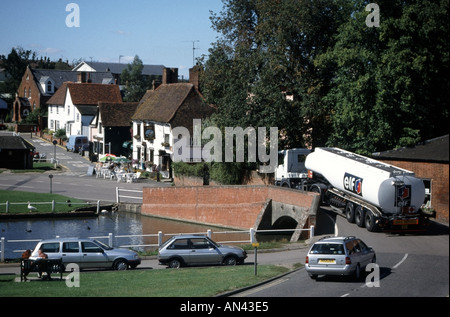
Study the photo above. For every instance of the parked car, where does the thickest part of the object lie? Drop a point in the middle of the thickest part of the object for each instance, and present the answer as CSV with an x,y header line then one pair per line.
x,y
184,250
338,256
87,253
77,143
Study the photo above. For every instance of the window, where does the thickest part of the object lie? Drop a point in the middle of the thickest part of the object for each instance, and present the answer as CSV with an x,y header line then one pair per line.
x,y
328,248
78,117
68,109
29,93
50,247
90,247
49,86
71,247
201,243
25,92
179,244
52,124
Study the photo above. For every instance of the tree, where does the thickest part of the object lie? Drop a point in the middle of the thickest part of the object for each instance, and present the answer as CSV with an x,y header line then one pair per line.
x,y
15,65
390,87
267,51
135,83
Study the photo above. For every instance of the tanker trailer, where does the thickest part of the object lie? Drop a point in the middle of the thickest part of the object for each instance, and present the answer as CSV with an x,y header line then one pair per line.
x,y
371,193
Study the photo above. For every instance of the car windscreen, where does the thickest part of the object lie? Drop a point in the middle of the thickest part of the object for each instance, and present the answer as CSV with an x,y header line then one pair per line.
x,y
327,248
104,246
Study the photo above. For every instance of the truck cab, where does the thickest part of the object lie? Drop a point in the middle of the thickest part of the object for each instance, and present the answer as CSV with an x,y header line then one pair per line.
x,y
291,170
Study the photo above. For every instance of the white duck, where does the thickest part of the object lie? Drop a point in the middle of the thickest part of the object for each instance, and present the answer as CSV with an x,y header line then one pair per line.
x,y
31,208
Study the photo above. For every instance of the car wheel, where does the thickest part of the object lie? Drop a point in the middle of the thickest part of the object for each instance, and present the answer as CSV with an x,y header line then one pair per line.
x,y
174,264
121,265
230,260
350,212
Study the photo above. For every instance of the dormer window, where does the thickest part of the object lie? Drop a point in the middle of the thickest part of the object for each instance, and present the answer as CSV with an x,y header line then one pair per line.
x,y
49,86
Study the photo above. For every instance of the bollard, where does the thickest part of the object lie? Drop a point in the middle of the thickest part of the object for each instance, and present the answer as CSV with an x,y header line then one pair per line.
x,y
98,206
209,233
311,235
7,206
53,206
252,235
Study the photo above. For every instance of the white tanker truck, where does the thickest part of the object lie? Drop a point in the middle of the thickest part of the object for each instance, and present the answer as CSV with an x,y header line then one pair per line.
x,y
371,193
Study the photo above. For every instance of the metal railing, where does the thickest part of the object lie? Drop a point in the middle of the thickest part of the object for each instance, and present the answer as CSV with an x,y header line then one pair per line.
x,y
119,195
52,203
160,238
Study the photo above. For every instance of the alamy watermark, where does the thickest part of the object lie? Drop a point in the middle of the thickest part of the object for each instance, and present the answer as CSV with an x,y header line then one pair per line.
x,y
186,149
73,278
373,18
73,18
373,278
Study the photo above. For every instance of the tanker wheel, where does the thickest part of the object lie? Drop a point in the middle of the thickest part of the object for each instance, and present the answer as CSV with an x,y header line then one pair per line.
x,y
350,212
359,216
370,221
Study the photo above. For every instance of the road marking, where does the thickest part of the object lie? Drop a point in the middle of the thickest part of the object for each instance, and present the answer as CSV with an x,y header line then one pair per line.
x,y
401,261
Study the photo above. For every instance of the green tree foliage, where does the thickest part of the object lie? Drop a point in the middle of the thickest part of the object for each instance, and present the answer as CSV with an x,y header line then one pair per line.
x,y
135,83
361,88
391,85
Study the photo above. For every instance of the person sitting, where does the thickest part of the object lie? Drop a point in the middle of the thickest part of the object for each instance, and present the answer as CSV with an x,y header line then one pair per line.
x,y
25,256
43,265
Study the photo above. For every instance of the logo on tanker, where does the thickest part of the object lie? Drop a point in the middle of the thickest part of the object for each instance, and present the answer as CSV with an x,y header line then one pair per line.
x,y
353,183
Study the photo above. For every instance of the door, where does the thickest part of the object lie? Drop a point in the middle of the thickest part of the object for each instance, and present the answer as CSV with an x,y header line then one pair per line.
x,y
203,252
71,252
92,256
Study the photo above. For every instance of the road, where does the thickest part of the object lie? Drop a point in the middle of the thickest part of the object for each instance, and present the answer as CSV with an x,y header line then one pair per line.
x,y
73,181
410,266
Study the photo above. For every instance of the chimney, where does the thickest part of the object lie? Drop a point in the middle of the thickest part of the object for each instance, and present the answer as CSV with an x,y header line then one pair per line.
x,y
170,75
194,76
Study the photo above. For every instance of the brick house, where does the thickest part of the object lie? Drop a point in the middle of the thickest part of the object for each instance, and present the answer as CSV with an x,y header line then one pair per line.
x,y
74,105
168,106
430,162
39,85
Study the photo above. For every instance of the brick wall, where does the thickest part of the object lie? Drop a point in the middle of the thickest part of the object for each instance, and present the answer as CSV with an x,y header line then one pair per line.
x,y
439,175
230,206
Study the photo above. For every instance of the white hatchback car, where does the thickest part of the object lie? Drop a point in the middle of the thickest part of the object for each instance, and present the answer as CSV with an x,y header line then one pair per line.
x,y
338,256
87,253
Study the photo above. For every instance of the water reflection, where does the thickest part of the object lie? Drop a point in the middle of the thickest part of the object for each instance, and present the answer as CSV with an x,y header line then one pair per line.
x,y
116,223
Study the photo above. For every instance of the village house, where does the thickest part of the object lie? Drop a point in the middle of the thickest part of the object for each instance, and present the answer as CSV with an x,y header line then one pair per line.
x,y
39,85
160,110
74,105
111,128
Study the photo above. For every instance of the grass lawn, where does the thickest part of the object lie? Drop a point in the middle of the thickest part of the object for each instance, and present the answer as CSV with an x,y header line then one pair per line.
x,y
13,197
185,282
38,167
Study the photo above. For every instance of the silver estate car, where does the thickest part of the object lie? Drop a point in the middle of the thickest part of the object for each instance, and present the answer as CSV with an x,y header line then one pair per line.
x,y
184,250
87,253
338,256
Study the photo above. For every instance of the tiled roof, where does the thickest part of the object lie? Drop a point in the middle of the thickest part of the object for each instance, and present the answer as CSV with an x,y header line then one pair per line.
x,y
434,150
9,142
86,94
161,105
117,114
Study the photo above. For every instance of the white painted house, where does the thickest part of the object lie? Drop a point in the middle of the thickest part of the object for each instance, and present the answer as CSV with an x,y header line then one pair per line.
x,y
74,105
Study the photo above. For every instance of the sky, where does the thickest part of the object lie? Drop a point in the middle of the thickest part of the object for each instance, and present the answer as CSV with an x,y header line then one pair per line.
x,y
160,32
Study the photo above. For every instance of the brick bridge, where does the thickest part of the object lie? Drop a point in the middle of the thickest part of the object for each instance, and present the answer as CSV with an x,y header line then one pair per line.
x,y
243,207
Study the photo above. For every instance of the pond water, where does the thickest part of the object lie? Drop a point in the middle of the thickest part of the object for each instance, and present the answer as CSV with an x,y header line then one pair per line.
x,y
118,223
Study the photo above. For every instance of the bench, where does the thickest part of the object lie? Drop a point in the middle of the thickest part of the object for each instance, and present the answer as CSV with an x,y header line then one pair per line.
x,y
41,265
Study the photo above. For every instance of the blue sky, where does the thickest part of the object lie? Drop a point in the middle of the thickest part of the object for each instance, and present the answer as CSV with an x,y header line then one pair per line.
x,y
158,31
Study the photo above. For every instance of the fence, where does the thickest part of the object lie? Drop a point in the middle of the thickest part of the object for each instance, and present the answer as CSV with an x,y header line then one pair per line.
x,y
160,236
119,190
52,203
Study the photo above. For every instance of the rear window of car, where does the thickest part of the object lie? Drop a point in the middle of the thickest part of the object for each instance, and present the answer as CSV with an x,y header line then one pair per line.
x,y
327,248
